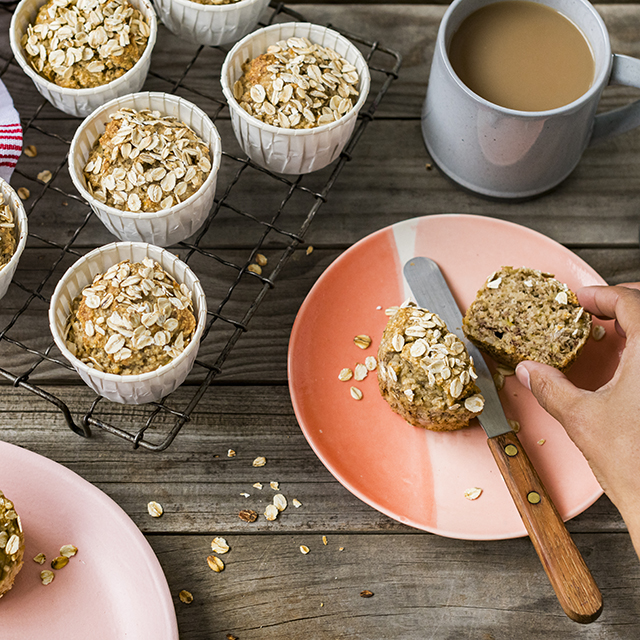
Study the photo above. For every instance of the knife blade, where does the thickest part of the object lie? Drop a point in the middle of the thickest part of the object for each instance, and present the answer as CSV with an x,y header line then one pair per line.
x,y
567,571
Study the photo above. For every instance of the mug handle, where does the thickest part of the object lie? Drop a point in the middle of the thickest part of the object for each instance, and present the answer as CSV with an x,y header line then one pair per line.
x,y
625,70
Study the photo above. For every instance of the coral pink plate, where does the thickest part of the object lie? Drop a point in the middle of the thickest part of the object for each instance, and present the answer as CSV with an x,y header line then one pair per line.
x,y
416,476
114,586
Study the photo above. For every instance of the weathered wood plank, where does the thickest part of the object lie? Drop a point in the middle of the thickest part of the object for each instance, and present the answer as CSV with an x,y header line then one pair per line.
x,y
261,354
424,587
195,480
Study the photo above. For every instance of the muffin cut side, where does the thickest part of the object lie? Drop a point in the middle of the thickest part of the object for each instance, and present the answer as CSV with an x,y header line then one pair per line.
x,y
425,372
525,314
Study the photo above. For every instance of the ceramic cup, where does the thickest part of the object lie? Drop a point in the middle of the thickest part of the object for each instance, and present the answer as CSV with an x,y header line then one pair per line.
x,y
505,153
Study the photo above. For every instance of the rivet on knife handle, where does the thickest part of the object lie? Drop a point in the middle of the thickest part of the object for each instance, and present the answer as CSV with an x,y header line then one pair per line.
x,y
570,578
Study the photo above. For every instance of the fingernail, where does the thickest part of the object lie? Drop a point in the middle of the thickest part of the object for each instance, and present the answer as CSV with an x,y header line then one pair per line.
x,y
523,376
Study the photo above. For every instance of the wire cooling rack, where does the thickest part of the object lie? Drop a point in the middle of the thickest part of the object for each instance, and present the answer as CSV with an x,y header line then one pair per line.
x,y
283,224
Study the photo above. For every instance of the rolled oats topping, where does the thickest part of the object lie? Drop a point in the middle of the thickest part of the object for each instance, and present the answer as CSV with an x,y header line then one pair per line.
x,y
147,162
131,319
80,44
11,544
297,84
8,233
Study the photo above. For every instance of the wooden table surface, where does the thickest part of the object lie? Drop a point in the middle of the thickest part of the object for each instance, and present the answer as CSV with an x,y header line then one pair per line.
x,y
425,586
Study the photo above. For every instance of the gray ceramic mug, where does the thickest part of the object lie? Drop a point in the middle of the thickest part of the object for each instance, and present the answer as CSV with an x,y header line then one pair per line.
x,y
505,153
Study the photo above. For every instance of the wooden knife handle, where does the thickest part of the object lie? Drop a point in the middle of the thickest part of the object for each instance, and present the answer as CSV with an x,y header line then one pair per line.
x,y
570,577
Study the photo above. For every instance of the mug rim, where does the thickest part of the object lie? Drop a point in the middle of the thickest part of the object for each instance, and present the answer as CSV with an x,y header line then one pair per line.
x,y
599,81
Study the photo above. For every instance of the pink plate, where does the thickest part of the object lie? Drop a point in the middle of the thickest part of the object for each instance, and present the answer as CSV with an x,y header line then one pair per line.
x,y
416,476
114,586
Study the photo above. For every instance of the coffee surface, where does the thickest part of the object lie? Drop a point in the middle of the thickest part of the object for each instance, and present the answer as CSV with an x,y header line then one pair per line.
x,y
522,55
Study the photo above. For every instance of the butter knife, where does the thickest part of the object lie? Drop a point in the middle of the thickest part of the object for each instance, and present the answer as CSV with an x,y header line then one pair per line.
x,y
567,571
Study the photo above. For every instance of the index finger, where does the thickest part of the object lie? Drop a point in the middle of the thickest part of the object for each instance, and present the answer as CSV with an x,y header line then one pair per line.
x,y
619,302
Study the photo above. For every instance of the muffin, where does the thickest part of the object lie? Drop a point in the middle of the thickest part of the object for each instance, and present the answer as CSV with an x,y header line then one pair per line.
x,y
81,44
298,119
11,544
146,161
297,84
8,233
526,314
425,372
131,320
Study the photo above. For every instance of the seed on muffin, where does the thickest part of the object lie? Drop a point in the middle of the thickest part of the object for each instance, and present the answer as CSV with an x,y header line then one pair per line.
x,y
132,319
79,44
297,84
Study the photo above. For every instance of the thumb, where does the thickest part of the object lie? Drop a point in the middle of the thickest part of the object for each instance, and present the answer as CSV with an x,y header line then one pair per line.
x,y
551,388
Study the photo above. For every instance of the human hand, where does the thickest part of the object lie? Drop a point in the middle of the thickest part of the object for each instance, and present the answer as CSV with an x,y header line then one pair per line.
x,y
604,424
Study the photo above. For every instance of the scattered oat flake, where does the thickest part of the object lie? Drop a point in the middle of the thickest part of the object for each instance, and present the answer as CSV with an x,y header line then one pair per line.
x,y
59,562
366,594
45,176
473,494
505,370
309,250
296,503
254,268
498,380
244,494
371,363
356,394
345,374
155,509
274,485
541,441
341,549
230,636
215,564
219,545
260,461
598,332
271,512
304,549
248,515
40,558
185,596
68,550
515,425
31,151
231,453
280,502
257,485
324,540
360,372
24,193
47,576
363,341
261,260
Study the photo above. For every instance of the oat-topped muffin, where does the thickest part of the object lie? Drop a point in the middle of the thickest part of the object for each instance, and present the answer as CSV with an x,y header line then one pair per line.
x,y
425,372
145,161
80,44
132,319
525,314
8,232
11,544
297,84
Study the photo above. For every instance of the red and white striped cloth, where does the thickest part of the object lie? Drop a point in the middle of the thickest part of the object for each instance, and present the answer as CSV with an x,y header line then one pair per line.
x,y
10,134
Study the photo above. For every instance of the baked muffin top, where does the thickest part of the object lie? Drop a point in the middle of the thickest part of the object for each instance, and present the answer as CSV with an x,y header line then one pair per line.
x,y
145,161
8,232
132,319
79,44
297,84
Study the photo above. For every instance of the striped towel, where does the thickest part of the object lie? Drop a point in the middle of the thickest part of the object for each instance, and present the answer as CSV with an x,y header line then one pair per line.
x,y
10,134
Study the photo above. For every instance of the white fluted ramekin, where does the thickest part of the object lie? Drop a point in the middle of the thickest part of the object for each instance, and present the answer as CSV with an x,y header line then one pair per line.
x,y
210,24
167,226
127,389
17,208
81,102
291,151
